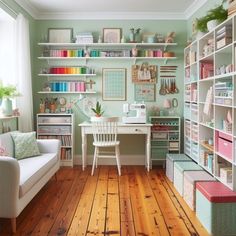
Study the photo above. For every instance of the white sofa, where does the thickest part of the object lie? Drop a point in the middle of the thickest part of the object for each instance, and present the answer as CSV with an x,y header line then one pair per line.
x,y
21,180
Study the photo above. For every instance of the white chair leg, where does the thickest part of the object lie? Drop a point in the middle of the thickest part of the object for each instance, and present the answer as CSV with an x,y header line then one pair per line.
x,y
97,154
94,160
118,159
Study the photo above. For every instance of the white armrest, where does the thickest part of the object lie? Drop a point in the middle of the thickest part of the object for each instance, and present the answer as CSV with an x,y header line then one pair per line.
x,y
9,186
49,145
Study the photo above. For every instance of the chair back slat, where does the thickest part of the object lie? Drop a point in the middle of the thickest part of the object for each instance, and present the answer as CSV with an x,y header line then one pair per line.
x,y
104,129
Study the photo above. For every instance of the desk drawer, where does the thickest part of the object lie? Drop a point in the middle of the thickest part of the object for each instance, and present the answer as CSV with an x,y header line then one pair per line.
x,y
133,130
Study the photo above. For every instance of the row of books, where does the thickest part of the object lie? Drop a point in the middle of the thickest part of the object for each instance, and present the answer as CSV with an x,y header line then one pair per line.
x,y
66,154
84,37
71,70
106,53
231,8
65,139
223,36
64,53
79,86
206,70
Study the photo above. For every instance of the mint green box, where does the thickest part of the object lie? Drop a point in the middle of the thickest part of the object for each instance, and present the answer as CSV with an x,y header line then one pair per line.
x,y
179,168
170,159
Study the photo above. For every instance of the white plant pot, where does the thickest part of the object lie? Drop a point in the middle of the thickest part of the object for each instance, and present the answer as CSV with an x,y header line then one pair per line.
x,y
212,24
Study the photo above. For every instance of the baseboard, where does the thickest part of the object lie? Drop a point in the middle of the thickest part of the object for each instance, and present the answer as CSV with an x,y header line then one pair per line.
x,y
124,159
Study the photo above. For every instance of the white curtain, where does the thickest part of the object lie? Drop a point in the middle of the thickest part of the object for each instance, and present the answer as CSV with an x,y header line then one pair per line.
x,y
23,75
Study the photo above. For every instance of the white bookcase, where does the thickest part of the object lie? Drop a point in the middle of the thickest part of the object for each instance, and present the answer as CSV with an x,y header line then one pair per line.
x,y
165,136
209,102
58,126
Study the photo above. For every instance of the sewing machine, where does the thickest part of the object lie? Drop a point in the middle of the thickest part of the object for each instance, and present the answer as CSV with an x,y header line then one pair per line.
x,y
140,110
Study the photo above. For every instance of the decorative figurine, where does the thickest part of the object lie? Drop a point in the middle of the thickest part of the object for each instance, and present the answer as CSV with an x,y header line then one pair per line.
x,y
170,37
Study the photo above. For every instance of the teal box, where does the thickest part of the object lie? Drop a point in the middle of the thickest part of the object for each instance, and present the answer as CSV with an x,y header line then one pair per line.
x,y
170,159
179,168
216,208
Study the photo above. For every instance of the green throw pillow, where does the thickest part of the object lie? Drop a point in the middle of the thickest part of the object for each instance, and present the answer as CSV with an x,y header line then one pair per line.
x,y
25,145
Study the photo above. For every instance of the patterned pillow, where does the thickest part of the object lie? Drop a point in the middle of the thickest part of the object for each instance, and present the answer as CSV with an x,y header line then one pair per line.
x,y
3,150
25,145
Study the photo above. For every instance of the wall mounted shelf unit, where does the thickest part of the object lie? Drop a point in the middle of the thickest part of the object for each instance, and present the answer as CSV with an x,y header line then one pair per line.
x,y
210,101
68,51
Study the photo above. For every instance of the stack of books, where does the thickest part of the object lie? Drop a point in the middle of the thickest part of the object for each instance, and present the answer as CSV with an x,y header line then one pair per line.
x,y
206,69
232,7
224,36
85,37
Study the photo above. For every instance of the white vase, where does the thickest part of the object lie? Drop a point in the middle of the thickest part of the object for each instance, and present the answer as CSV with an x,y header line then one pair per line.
x,y
7,107
212,24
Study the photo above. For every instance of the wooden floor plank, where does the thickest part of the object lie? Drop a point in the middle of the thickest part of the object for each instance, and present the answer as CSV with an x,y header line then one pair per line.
x,y
52,208
173,219
98,213
82,215
137,203
66,214
113,205
144,223
154,218
126,215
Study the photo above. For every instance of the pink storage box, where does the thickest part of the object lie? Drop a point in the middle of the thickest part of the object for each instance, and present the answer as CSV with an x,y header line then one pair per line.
x,y
225,145
190,180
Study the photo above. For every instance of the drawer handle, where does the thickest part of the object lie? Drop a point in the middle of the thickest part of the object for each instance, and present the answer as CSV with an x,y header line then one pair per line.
x,y
136,129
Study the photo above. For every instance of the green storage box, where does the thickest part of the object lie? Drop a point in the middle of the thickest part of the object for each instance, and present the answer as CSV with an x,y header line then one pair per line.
x,y
179,168
170,159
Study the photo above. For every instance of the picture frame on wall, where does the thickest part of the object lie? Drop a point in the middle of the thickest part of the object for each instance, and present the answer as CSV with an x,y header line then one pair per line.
x,y
111,35
114,84
145,92
60,35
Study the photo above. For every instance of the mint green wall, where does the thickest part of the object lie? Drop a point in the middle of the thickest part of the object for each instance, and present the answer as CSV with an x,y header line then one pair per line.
x,y
135,145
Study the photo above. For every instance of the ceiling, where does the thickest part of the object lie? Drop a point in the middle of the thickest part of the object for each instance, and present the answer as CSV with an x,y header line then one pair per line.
x,y
111,9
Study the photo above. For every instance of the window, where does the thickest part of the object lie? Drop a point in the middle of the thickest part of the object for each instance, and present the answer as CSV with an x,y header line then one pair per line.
x,y
7,49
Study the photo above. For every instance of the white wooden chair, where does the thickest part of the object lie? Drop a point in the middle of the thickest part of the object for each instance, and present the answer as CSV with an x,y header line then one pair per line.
x,y
105,136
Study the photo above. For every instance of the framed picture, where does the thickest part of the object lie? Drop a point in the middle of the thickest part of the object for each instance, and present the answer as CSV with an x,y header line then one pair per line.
x,y
111,35
145,92
60,35
114,84
144,73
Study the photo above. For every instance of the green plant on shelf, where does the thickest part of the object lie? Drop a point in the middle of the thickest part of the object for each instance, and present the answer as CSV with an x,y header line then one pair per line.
x,y
218,13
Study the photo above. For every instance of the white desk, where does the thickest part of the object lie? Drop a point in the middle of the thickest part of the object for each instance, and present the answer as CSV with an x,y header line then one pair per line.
x,y
86,128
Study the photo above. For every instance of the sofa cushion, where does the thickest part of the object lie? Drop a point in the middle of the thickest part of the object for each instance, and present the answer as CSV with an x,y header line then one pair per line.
x,y
33,169
25,145
6,145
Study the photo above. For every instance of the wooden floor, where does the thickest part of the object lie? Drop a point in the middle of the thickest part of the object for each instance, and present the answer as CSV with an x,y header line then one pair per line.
x,y
136,203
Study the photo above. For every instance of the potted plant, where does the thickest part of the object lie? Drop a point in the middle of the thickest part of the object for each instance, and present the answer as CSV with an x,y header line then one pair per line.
x,y
212,18
7,92
98,109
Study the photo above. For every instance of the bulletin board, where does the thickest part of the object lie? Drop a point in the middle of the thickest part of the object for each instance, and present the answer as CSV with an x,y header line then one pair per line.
x,y
145,92
114,84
